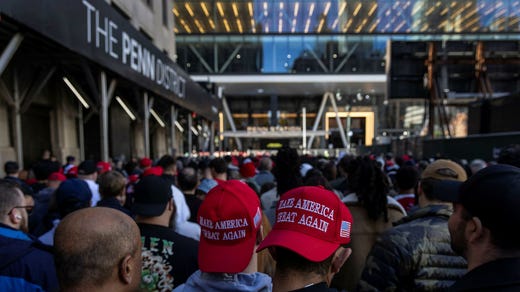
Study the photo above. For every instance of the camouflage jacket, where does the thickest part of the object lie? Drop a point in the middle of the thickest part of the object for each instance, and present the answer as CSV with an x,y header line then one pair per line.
x,y
415,255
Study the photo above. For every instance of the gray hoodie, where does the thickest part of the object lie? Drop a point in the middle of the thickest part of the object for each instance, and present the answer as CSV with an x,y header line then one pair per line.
x,y
200,281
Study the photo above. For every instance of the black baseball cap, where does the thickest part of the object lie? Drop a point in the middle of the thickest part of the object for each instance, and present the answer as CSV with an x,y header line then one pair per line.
x,y
87,167
493,195
151,195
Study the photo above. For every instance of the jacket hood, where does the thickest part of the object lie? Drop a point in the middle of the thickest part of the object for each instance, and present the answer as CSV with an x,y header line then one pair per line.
x,y
199,281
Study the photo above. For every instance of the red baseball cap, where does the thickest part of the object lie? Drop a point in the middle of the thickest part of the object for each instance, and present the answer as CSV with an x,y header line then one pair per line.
x,y
155,170
248,170
103,167
310,221
57,176
145,162
73,172
229,217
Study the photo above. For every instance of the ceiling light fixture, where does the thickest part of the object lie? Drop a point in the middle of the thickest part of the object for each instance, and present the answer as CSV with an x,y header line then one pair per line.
x,y
194,131
181,129
199,26
157,118
220,9
239,24
320,26
342,8
204,8
235,9
327,8
311,10
358,7
372,10
335,23
250,8
188,8
125,108
76,92
226,24
296,8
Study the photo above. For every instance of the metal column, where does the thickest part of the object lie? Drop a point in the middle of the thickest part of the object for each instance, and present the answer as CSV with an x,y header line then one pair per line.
x,y
17,99
81,133
317,120
106,98
227,113
212,137
173,136
304,129
104,117
338,120
18,121
9,52
190,134
329,96
147,107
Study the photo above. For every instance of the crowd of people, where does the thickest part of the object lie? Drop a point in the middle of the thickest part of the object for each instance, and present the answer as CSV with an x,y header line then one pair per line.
x,y
286,222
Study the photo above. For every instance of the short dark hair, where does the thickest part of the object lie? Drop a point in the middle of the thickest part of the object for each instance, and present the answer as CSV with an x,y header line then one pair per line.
x,y
188,179
219,165
167,162
407,177
427,185
111,183
287,260
9,196
344,162
287,170
510,155
11,167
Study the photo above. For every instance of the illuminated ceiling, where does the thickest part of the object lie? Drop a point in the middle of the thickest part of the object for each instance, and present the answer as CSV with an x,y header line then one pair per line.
x,y
361,16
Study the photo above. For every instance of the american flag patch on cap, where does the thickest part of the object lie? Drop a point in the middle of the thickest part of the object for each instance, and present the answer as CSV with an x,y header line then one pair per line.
x,y
257,218
345,229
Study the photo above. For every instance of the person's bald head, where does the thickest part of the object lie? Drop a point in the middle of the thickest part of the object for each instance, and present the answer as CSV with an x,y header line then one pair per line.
x,y
98,248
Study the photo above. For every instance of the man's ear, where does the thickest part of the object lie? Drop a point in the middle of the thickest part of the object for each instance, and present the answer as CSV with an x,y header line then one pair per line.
x,y
474,229
15,217
171,205
340,257
126,270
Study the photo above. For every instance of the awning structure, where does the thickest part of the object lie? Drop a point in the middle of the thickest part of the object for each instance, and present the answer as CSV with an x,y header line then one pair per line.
x,y
272,134
94,30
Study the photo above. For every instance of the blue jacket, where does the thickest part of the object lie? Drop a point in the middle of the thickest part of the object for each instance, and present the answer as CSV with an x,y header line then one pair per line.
x,y
200,281
25,263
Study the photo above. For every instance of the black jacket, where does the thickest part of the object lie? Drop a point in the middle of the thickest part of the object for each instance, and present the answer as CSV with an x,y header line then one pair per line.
x,y
499,275
25,263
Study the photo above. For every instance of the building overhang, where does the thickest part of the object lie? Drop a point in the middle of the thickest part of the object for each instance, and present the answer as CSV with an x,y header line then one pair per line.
x,y
296,84
94,30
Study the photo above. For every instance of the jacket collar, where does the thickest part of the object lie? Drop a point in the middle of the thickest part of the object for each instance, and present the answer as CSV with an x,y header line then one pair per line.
x,y
427,211
498,273
9,232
